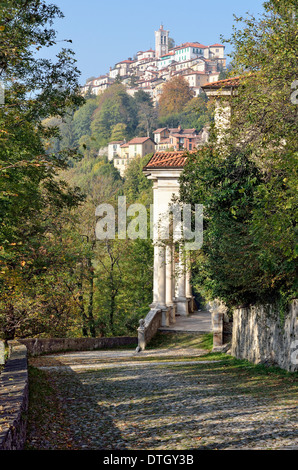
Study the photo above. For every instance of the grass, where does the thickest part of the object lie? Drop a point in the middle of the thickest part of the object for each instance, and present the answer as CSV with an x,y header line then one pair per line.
x,y
44,413
180,340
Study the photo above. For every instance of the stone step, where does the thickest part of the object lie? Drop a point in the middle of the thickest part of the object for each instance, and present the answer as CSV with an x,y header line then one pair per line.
x,y
198,322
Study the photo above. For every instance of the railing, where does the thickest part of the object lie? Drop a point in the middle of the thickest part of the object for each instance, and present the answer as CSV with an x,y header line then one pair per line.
x,y
148,328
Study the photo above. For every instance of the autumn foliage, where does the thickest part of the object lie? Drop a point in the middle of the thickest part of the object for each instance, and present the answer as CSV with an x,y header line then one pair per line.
x,y
176,93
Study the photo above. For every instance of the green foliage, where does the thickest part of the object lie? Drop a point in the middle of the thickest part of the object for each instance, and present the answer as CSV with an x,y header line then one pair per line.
x,y
34,202
82,118
248,182
137,187
195,114
115,107
118,132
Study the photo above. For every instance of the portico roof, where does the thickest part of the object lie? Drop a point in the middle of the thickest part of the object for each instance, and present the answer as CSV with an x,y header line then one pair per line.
x,y
167,160
220,84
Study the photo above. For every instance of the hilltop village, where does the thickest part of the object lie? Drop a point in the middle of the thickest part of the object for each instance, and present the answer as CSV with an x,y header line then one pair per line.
x,y
149,71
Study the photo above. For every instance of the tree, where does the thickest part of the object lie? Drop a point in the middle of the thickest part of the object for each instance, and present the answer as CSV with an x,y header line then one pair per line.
x,y
82,118
147,113
36,89
248,182
176,93
118,132
115,107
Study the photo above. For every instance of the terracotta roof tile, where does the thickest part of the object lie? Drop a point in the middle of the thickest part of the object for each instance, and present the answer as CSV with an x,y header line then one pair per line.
x,y
227,83
160,129
216,45
138,140
192,44
167,160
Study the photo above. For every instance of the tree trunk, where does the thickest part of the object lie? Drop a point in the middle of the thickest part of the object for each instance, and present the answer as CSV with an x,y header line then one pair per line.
x,y
81,303
90,305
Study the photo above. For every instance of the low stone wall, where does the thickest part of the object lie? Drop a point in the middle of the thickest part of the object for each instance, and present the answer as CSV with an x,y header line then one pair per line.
x,y
14,398
148,327
259,336
39,346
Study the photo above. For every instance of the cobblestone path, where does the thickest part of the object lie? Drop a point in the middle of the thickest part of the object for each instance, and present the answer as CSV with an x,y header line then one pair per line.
x,y
162,405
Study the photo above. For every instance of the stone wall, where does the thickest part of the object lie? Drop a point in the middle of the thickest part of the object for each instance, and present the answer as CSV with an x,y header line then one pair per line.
x,y
39,346
14,398
148,327
259,335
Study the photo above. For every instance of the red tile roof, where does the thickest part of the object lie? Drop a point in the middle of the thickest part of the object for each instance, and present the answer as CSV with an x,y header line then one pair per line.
x,y
227,83
216,45
138,140
126,62
159,130
167,160
166,55
192,44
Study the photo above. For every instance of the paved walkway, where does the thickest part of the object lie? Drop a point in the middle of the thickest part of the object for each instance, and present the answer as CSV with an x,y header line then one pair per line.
x,y
160,400
198,322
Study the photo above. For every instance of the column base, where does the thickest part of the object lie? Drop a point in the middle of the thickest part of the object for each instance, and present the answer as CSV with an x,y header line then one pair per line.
x,y
165,317
172,313
182,306
191,304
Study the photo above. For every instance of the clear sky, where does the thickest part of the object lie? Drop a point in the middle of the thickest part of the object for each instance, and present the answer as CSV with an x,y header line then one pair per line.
x,y
105,32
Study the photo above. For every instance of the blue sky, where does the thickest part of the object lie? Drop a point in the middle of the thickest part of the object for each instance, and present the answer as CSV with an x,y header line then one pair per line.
x,y
105,32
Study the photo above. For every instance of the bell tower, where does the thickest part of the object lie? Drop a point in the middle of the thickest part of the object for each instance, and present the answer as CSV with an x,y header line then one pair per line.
x,y
161,42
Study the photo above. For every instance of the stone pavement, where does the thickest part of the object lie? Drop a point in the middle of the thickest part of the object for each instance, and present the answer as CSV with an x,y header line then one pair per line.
x,y
87,360
198,322
115,400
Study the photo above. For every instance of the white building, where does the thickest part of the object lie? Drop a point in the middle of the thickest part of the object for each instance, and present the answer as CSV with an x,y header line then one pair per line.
x,y
98,85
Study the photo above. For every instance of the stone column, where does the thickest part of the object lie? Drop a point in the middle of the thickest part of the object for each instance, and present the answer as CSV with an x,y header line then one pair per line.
x,y
170,286
182,302
155,277
161,274
218,311
188,292
217,328
169,276
188,289
154,234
